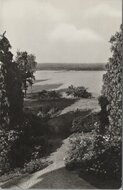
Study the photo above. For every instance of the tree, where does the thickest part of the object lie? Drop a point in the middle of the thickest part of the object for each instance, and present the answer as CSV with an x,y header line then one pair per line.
x,y
112,88
4,106
103,115
108,146
79,92
11,102
27,66
11,84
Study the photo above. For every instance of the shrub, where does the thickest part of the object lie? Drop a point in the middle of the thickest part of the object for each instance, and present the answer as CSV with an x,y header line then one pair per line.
x,y
54,94
44,94
79,92
29,143
85,124
47,112
80,151
108,161
83,155
35,165
4,149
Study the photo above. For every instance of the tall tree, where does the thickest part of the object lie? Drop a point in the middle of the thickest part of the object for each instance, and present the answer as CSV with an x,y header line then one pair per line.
x,y
12,82
5,59
27,66
4,104
112,88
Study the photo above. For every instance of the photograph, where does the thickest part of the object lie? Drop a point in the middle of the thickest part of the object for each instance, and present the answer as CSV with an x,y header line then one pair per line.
x,y
61,94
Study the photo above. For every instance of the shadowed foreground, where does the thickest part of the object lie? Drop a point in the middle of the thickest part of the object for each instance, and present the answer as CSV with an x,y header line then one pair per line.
x,y
55,176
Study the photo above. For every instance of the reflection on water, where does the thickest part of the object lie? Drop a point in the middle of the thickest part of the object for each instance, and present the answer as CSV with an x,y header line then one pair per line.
x,y
90,79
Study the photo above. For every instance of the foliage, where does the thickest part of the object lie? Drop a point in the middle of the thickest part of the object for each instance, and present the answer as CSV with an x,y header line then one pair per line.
x,y
103,115
27,65
4,107
104,158
107,145
47,112
4,149
108,149
34,165
49,94
11,100
112,88
30,142
16,129
93,154
79,92
80,151
85,124
11,95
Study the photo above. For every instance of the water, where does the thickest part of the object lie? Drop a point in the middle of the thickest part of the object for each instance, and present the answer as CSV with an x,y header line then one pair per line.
x,y
89,79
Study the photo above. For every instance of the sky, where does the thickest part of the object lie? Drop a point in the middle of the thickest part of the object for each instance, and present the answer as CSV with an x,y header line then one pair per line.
x,y
61,31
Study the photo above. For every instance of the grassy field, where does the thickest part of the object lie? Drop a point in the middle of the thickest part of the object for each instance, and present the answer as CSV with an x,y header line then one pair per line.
x,y
35,103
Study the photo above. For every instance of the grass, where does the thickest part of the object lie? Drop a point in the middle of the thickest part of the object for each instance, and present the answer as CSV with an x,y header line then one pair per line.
x,y
33,104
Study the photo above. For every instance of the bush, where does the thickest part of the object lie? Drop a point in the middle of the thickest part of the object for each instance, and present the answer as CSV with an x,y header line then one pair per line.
x,y
4,149
82,154
44,94
47,112
85,125
107,162
79,92
30,143
80,151
35,165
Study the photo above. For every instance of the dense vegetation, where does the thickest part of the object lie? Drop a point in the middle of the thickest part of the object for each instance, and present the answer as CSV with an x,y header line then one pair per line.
x,y
44,94
99,152
14,124
26,64
79,92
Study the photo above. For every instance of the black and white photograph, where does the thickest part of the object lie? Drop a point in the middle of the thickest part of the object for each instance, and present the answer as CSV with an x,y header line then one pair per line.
x,y
61,94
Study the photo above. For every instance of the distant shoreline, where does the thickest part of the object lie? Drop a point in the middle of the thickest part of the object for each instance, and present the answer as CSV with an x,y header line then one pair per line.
x,y
72,66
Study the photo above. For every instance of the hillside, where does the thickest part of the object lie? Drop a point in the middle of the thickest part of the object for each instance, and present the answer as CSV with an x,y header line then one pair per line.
x,y
71,66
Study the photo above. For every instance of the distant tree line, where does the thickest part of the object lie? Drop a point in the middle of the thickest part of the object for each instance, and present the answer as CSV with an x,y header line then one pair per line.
x,y
71,66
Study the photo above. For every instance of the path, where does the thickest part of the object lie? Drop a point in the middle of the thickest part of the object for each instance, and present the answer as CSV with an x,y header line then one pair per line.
x,y
55,176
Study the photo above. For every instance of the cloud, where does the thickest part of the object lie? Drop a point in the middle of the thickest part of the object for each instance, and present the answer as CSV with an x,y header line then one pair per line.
x,y
27,22
69,33
26,9
61,30
103,10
